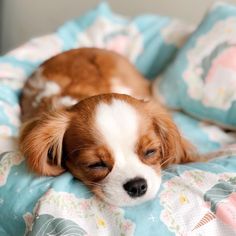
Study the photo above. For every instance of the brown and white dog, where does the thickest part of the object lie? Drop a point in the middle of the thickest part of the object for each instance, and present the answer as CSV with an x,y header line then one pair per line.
x,y
86,112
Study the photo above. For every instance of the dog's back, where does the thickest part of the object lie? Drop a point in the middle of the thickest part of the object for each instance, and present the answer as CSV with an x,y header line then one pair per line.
x,y
67,78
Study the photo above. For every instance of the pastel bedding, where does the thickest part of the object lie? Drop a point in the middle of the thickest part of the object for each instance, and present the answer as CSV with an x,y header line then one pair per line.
x,y
194,199
204,70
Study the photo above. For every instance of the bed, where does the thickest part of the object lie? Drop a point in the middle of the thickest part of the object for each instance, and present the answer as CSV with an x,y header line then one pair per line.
x,y
194,199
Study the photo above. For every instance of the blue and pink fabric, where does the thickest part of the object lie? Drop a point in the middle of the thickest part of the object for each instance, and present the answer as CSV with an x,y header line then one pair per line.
x,y
194,199
203,74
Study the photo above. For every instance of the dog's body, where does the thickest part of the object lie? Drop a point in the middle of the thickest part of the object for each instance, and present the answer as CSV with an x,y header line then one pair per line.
x,y
77,119
74,75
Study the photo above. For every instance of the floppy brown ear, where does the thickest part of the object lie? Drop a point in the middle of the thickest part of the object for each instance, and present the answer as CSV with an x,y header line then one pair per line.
x,y
41,141
175,148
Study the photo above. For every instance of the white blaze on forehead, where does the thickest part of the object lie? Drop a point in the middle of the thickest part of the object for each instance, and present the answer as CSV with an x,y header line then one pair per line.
x,y
118,123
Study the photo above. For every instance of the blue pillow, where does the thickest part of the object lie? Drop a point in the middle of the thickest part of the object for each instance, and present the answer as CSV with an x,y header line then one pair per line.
x,y
202,78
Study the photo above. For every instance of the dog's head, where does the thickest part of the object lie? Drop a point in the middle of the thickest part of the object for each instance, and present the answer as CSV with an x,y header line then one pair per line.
x,y
114,143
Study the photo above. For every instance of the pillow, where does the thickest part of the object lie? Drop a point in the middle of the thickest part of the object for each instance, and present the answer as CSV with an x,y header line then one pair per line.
x,y
149,41
201,80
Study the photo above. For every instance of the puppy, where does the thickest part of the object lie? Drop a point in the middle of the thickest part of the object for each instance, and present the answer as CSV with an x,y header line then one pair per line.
x,y
74,75
85,112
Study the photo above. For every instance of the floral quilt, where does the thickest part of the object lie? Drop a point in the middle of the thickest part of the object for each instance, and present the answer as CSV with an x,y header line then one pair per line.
x,y
195,199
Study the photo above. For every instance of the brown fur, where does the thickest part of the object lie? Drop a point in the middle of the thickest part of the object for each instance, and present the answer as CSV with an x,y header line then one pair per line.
x,y
58,138
175,148
42,135
82,73
73,131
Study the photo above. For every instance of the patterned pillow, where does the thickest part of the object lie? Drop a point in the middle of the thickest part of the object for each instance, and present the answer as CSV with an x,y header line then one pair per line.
x,y
202,78
149,41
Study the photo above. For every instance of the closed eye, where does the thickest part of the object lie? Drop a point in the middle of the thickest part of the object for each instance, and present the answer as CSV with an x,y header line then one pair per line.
x,y
150,153
97,165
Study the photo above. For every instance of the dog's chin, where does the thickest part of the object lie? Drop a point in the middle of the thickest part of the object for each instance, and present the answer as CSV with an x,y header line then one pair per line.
x,y
128,202
122,199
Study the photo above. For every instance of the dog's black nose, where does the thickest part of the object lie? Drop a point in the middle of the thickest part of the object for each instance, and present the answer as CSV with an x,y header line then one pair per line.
x,y
136,187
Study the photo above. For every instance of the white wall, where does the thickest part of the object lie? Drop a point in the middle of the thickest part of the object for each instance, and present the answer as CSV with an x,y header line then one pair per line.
x,y
24,19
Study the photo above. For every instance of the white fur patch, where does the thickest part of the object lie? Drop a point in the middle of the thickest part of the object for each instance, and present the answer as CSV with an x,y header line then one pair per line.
x,y
117,87
119,123
116,119
46,88
41,87
66,101
36,82
50,89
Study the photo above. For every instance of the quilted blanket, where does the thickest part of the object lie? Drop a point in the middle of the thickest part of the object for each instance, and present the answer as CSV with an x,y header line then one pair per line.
x,y
194,199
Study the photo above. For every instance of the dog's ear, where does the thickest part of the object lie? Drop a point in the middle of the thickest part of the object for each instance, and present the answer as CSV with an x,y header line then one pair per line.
x,y
41,141
174,148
